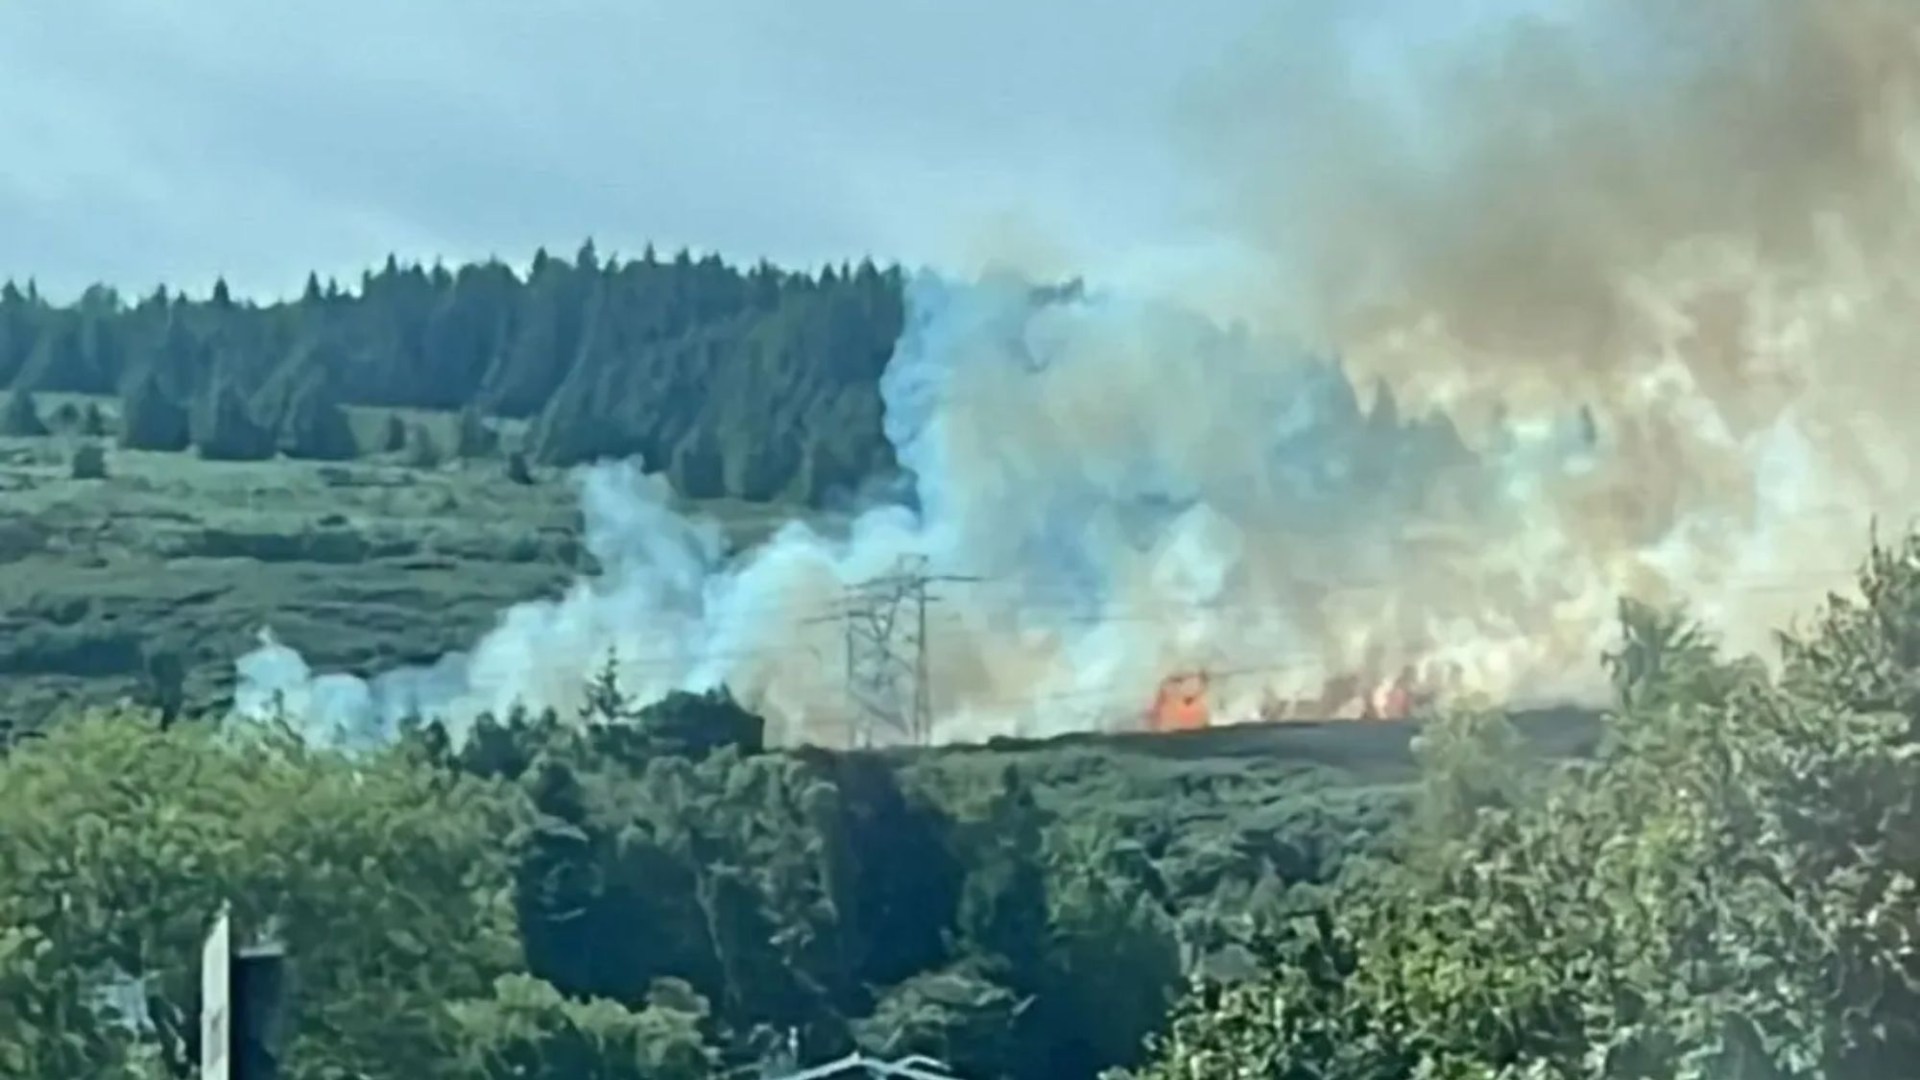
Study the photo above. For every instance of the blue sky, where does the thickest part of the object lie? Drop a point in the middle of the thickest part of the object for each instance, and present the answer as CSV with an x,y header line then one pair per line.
x,y
180,141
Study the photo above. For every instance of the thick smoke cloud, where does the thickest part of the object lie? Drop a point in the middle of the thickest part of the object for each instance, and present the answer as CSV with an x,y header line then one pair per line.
x,y
1696,220
1657,261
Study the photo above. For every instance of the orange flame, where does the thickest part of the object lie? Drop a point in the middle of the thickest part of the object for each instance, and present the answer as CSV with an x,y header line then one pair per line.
x,y
1181,704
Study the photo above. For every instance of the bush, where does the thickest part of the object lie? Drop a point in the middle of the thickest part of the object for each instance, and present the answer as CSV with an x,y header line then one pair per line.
x,y
518,470
421,451
393,435
472,437
89,462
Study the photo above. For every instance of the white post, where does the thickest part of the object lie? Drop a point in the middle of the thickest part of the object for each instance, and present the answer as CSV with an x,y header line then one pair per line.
x,y
216,967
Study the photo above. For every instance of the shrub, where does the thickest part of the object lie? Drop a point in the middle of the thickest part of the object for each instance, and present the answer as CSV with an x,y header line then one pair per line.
x,y
89,462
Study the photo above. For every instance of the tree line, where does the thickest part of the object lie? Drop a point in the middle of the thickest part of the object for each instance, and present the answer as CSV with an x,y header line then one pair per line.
x,y
755,383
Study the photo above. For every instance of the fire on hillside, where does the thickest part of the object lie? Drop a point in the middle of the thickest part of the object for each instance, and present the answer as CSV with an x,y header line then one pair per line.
x,y
1185,701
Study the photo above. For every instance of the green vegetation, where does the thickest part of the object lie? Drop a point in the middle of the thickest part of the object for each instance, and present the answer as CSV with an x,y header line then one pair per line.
x,y
1722,890
651,894
1725,890
757,384
361,565
1724,887
258,449
388,880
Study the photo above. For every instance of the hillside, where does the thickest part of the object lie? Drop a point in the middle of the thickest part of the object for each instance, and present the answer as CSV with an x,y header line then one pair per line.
x,y
758,383
377,473
587,897
657,893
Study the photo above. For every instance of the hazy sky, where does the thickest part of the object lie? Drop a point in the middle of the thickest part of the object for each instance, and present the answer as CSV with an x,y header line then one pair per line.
x,y
183,139
178,140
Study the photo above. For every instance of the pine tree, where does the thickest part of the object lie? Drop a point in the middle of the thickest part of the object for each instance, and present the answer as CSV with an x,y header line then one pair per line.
x,y
93,423
21,417
224,428
150,419
421,451
313,425
473,438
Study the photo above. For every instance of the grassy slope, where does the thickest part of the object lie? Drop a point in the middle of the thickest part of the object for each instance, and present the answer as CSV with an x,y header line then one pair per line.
x,y
358,565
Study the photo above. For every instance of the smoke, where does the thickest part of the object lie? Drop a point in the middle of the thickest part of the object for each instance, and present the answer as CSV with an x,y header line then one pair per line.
x,y
1697,220
1656,262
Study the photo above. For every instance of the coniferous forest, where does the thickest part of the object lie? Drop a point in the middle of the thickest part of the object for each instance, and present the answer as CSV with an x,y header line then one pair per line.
x,y
755,384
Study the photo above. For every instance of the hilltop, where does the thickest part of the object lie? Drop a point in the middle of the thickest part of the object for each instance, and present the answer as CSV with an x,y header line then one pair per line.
x,y
757,383
377,472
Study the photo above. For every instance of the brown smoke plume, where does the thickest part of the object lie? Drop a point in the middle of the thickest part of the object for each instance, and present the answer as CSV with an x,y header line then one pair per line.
x,y
1696,220
1659,261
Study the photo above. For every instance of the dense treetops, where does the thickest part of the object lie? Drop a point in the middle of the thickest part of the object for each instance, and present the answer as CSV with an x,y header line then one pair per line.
x,y
1726,891
755,383
648,895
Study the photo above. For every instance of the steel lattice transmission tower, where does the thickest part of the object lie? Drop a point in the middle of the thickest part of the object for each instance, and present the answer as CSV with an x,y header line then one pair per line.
x,y
885,624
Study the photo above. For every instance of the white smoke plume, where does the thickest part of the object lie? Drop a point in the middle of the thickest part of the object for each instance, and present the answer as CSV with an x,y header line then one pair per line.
x,y
1659,261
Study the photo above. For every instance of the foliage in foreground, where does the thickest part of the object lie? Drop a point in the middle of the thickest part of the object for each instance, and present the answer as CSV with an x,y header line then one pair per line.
x,y
632,898
1726,892
120,841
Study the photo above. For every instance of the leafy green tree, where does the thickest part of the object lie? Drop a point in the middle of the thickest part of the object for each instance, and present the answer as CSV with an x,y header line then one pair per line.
x,y
526,1028
957,1015
1114,962
1724,891
386,881
1004,905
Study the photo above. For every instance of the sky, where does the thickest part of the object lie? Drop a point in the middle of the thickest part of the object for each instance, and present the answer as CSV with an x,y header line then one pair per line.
x,y
177,142
145,142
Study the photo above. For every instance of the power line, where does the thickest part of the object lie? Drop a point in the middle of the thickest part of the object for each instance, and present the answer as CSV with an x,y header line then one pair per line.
x,y
884,621
886,624
869,602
